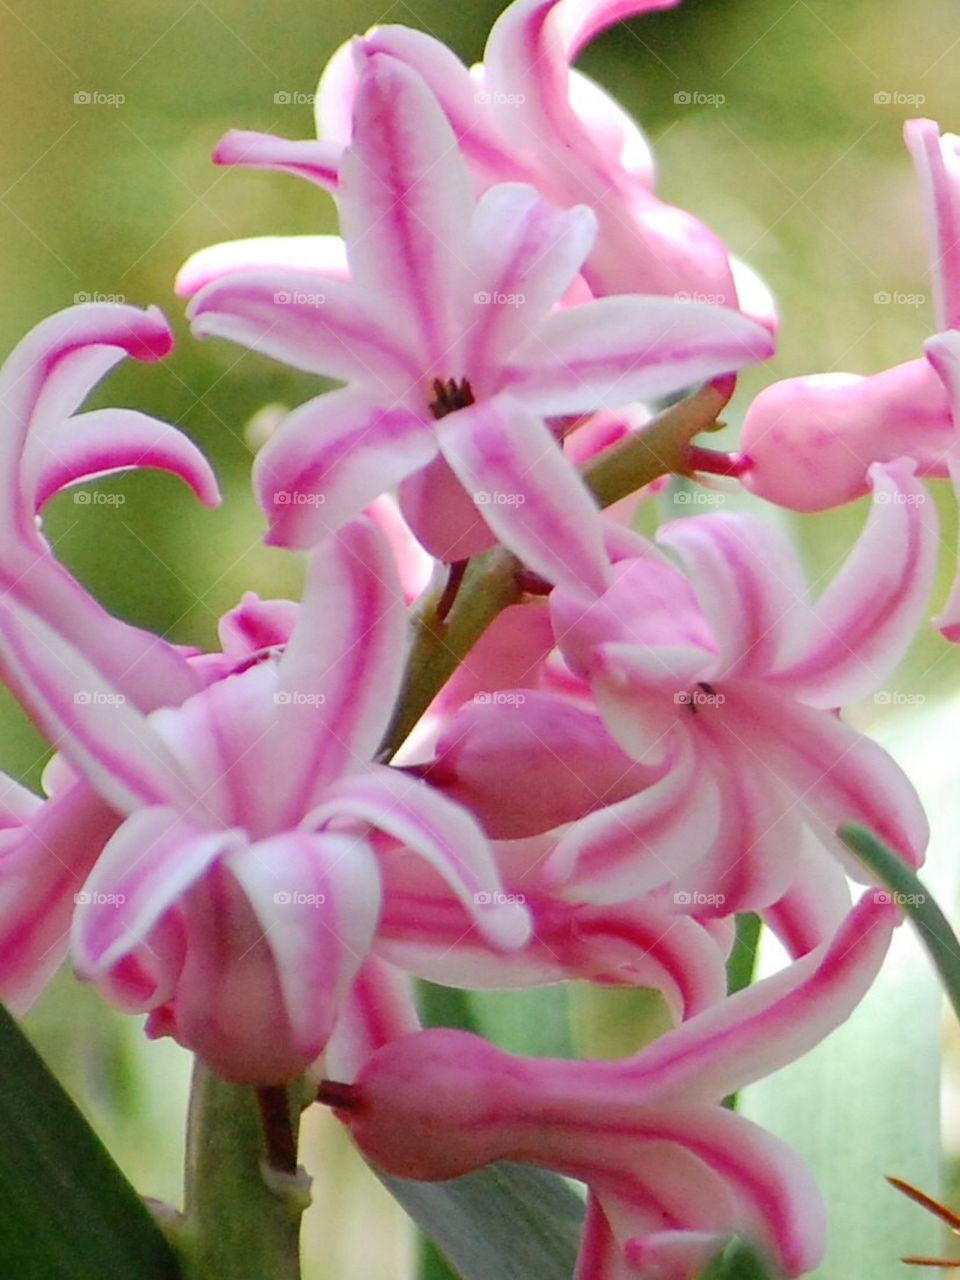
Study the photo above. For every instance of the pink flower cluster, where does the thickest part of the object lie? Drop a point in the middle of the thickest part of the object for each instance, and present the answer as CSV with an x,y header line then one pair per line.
x,y
643,743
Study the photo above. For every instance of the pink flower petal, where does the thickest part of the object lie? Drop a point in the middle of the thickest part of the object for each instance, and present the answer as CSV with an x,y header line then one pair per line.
x,y
339,676
405,202
331,458
526,491
317,898
440,832
864,622
323,326
109,440
317,161
937,162
606,353
325,255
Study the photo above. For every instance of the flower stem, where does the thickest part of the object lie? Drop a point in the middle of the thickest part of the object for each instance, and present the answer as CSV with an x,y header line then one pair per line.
x,y
446,628
242,1207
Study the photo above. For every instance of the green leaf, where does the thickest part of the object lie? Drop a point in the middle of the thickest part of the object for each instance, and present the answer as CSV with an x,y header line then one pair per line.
x,y
505,1222
916,902
66,1210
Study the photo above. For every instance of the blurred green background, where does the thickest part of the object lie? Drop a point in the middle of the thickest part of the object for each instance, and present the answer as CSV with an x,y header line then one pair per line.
x,y
801,169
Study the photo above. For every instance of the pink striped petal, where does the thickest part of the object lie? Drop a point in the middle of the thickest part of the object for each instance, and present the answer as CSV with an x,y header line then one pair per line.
x,y
813,908
752,1034
936,159
405,203
151,862
943,352
331,458
414,565
317,161
42,866
441,833
100,733
322,326
325,255
256,625
750,586
317,898
522,256
864,622
442,513
109,440
636,845
834,773
339,676
606,353
527,492
675,1255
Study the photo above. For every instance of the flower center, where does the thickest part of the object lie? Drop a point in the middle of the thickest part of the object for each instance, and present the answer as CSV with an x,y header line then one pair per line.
x,y
450,396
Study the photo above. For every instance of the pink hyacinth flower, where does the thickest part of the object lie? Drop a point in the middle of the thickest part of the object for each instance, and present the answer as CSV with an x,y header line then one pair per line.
x,y
810,440
452,352
727,672
242,891
46,446
525,115
671,1173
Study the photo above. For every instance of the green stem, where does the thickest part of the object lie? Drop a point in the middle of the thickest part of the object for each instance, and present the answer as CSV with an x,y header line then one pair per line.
x,y
242,1214
493,581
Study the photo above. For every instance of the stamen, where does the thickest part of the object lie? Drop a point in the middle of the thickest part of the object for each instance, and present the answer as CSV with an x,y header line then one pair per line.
x,y
450,396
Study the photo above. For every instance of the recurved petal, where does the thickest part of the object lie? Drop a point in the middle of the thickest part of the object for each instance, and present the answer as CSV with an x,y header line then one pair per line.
x,y
750,586
441,833
105,737
527,492
936,159
105,441
607,353
314,159
863,624
331,458
145,869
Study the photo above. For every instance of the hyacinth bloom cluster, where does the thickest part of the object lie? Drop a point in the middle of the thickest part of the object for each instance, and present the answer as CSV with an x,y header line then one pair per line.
x,y
612,747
